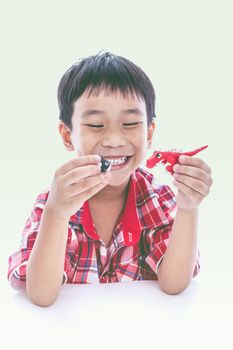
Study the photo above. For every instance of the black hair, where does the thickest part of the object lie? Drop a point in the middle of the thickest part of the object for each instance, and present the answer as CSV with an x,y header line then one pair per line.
x,y
104,71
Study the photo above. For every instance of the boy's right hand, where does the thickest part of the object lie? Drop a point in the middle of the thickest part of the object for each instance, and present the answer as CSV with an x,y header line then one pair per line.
x,y
74,183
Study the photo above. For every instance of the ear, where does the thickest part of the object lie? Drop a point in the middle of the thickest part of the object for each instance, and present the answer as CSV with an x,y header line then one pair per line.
x,y
150,133
66,136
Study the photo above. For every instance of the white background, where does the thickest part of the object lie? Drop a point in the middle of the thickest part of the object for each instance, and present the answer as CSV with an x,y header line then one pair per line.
x,y
185,47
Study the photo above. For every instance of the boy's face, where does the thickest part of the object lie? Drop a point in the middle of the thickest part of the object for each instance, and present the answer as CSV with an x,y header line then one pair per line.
x,y
111,131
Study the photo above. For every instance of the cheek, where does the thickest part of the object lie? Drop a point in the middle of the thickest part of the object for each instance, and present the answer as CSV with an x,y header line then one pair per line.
x,y
140,144
77,133
141,138
83,142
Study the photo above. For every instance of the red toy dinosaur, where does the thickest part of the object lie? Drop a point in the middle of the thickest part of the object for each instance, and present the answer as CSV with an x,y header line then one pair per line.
x,y
171,158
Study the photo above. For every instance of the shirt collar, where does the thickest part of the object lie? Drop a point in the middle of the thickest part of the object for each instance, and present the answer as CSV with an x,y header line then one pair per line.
x,y
134,218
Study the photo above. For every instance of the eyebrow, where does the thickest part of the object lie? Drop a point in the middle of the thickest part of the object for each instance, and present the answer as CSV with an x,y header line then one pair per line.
x,y
88,112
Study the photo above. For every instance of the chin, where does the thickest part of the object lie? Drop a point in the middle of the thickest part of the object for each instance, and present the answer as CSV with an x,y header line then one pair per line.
x,y
117,181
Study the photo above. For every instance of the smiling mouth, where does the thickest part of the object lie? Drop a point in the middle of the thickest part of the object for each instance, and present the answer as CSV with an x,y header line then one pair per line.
x,y
114,161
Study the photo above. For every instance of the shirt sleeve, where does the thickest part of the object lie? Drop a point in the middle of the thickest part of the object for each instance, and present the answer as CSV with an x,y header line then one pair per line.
x,y
17,262
159,238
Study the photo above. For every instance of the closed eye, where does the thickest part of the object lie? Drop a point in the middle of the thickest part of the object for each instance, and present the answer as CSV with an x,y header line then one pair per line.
x,y
95,126
100,125
131,124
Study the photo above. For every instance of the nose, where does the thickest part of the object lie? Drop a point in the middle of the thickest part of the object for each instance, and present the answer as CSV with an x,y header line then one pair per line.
x,y
113,138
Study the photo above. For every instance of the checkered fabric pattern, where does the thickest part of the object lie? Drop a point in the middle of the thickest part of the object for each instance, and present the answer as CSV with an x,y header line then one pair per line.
x,y
137,246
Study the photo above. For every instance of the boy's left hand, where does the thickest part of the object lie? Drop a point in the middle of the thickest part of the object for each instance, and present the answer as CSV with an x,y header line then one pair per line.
x,y
192,178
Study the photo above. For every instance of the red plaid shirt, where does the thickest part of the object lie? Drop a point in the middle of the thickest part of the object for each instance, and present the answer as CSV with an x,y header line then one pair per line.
x,y
137,246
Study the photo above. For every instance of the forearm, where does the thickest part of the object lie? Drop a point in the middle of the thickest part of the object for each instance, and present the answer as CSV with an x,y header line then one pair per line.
x,y
177,266
46,263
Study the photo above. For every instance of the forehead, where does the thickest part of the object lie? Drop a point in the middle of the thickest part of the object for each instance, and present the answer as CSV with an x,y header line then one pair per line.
x,y
109,101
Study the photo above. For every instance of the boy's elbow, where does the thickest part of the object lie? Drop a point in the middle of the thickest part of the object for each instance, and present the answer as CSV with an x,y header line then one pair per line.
x,y
172,290
42,303
41,296
172,286
37,299
41,300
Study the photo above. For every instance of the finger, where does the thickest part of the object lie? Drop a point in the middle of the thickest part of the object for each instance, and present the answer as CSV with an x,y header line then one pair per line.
x,y
77,162
192,183
187,190
87,184
195,162
195,172
81,173
84,196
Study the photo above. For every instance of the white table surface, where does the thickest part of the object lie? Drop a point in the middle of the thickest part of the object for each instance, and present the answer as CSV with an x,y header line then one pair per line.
x,y
121,315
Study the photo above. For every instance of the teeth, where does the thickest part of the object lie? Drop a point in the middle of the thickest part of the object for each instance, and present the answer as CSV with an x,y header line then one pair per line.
x,y
117,161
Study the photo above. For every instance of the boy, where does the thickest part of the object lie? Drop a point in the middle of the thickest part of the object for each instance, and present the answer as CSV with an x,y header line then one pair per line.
x,y
102,227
